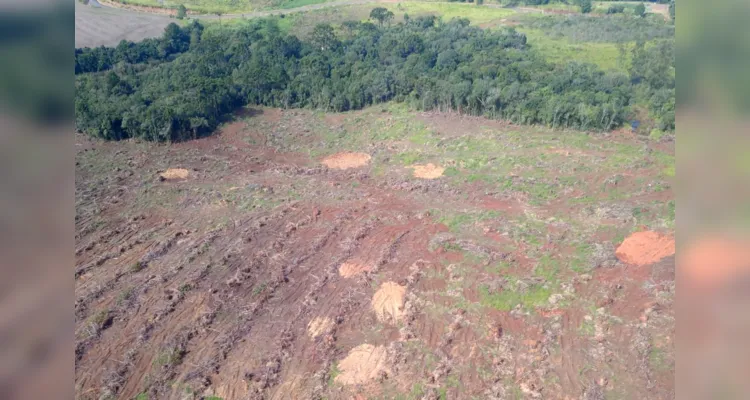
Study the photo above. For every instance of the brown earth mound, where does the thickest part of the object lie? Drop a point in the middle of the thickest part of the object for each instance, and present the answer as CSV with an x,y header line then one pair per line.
x,y
388,301
346,160
364,363
643,248
429,171
175,173
319,326
350,269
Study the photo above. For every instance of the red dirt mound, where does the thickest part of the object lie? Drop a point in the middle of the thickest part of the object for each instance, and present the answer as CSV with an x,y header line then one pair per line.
x,y
346,160
643,248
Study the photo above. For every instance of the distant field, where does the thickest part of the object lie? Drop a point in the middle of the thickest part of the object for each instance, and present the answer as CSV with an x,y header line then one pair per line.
x,y
605,55
226,6
475,14
302,23
107,27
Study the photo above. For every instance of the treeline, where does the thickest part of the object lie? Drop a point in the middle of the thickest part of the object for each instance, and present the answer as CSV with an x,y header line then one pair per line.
x,y
445,66
175,40
652,71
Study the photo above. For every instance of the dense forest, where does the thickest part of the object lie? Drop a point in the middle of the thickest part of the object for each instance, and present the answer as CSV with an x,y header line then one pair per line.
x,y
181,85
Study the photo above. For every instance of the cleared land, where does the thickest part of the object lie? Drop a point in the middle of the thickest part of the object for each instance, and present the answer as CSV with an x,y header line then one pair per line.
x,y
102,26
262,273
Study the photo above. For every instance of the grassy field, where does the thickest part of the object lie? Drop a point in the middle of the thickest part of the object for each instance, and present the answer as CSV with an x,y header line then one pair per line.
x,y
476,14
201,6
605,55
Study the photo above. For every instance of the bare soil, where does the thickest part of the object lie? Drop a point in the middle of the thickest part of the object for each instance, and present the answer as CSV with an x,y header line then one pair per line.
x,y
428,171
350,269
363,363
643,248
388,301
265,275
175,173
346,160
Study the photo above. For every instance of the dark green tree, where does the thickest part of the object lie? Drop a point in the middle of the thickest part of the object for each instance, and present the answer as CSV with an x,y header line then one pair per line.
x,y
182,85
585,5
381,15
181,11
323,37
639,10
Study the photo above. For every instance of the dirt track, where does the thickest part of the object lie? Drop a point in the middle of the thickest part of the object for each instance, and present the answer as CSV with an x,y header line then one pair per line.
x,y
227,281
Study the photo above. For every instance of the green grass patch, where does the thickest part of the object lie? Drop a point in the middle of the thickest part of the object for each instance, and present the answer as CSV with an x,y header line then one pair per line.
x,y
333,373
299,3
142,396
562,51
447,11
458,221
666,161
658,361
508,298
580,262
547,268
587,328
409,157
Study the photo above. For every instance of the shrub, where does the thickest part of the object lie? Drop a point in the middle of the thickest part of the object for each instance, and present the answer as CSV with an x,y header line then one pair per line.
x,y
639,10
181,12
656,134
586,6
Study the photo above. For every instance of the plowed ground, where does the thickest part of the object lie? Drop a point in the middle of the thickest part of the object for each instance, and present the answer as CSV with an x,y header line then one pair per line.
x,y
501,275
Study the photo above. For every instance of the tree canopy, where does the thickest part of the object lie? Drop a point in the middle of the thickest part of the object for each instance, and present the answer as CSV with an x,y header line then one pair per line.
x,y
381,15
585,5
180,86
639,10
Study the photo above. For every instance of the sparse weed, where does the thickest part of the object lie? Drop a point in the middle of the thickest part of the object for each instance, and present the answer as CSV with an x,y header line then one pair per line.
x,y
459,221
169,358
137,266
333,373
259,288
657,359
409,157
507,299
185,287
587,327
101,319
125,295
